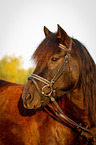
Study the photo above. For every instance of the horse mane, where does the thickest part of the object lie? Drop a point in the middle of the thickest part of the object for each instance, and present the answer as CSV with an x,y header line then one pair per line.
x,y
88,81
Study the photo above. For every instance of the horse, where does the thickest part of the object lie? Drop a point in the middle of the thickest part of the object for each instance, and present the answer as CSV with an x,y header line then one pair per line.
x,y
57,106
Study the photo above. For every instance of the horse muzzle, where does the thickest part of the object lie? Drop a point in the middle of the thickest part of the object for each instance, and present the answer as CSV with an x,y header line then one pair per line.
x,y
31,100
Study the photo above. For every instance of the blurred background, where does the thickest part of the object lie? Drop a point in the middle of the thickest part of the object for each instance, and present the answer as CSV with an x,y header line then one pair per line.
x,y
21,30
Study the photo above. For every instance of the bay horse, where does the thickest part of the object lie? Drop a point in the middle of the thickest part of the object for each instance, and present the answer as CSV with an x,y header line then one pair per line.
x,y
58,103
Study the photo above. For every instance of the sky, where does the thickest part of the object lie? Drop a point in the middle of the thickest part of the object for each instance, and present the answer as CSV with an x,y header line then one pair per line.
x,y
22,22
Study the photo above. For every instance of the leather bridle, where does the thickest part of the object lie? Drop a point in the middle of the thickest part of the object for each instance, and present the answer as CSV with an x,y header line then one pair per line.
x,y
49,84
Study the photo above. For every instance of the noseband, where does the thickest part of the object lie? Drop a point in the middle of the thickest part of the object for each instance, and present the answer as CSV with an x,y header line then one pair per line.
x,y
49,84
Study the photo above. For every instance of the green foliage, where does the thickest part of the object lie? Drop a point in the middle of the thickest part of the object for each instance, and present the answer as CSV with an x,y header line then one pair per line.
x,y
11,69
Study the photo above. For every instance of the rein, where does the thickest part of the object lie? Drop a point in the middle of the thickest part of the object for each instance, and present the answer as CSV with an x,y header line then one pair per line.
x,y
49,84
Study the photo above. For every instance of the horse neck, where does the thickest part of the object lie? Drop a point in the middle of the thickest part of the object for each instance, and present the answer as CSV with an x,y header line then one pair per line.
x,y
73,106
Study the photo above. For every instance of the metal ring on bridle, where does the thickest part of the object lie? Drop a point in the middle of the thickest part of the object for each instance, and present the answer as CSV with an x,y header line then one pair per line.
x,y
51,90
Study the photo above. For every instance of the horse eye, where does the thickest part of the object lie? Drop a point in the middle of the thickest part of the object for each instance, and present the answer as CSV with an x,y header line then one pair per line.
x,y
54,59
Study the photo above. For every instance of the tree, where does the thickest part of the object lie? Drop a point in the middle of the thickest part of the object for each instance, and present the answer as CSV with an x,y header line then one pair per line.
x,y
11,69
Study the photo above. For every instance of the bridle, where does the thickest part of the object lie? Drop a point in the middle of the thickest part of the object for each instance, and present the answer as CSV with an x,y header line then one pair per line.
x,y
49,84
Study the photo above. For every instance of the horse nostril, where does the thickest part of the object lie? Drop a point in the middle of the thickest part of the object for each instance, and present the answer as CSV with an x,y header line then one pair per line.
x,y
29,97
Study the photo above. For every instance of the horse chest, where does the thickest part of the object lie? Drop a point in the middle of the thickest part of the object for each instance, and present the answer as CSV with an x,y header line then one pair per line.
x,y
49,133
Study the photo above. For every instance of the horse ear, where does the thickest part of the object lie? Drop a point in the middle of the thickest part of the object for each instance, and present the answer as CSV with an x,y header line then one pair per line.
x,y
46,31
63,37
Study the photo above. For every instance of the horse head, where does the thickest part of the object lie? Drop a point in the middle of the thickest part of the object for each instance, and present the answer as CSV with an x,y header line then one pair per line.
x,y
57,63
